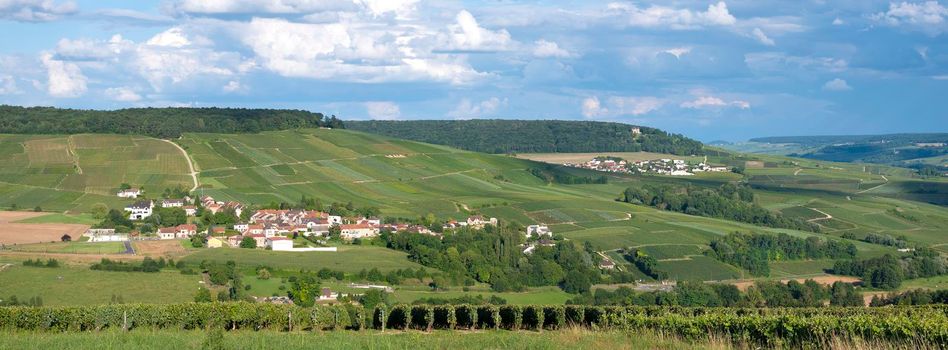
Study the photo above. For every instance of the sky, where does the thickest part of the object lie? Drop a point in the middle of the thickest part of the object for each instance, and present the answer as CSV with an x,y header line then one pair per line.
x,y
712,70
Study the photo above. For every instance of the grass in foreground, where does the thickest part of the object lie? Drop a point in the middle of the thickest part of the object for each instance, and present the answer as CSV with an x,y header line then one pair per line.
x,y
144,339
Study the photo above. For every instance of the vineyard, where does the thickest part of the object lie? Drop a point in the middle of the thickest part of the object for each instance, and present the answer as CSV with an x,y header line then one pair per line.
x,y
764,327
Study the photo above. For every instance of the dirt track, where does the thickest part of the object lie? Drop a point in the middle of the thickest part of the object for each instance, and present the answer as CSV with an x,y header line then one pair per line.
x,y
14,233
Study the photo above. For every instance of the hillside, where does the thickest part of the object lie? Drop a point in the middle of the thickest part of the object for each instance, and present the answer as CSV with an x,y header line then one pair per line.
x,y
156,122
533,136
411,179
919,151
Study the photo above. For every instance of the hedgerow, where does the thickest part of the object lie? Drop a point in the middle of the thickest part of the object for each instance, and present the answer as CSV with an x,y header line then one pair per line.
x,y
805,327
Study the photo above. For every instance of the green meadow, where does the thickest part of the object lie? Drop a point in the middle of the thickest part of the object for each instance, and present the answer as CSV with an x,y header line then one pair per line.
x,y
82,286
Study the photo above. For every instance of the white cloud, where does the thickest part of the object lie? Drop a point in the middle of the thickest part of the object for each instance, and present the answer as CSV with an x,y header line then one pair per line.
x,y
762,38
678,51
837,85
467,109
592,108
543,48
661,16
8,85
65,79
778,62
35,10
401,8
233,86
702,102
927,17
838,22
635,105
173,37
123,94
383,110
211,7
467,35
85,49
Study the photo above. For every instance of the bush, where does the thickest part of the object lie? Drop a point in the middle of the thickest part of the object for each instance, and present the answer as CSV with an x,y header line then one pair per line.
x,y
554,317
575,315
399,317
511,317
445,317
422,317
488,317
533,317
466,316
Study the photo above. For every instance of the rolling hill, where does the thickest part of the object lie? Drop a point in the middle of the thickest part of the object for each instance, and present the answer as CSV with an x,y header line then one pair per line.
x,y
410,179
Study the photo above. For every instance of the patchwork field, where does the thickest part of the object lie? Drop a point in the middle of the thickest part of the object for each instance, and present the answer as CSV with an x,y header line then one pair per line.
x,y
12,231
74,172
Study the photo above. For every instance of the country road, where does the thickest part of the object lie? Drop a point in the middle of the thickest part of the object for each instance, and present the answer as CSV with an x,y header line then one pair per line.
x,y
870,189
193,174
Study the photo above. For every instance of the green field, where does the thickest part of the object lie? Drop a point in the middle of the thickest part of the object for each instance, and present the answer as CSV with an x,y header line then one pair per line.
x,y
349,259
82,286
73,247
60,218
194,339
74,172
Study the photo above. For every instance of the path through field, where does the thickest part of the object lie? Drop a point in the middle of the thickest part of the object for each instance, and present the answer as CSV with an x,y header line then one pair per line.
x,y
870,189
194,174
828,216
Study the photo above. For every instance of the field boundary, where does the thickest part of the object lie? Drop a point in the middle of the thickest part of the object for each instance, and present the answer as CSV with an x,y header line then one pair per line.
x,y
194,174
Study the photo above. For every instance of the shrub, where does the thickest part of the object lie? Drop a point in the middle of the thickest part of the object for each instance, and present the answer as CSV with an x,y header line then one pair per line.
x,y
488,317
422,317
399,317
466,316
533,317
554,317
575,315
511,317
445,317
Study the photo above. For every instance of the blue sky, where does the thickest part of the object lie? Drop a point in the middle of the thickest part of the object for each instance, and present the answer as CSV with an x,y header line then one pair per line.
x,y
713,70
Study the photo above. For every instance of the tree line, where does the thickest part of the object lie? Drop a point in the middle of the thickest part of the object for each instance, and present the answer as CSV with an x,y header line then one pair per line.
x,y
753,252
729,201
533,136
888,272
699,294
167,122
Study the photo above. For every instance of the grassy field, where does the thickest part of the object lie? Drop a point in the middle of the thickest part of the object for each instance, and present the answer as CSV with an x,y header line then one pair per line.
x,y
60,218
73,247
350,259
74,172
146,339
82,286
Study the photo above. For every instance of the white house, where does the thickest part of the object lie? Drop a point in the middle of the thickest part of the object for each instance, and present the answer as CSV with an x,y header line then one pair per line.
x,y
539,230
241,227
167,232
478,221
350,232
129,193
172,203
279,243
139,210
190,210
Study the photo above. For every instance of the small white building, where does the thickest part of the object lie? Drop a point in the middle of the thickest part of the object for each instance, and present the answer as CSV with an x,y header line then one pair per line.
x,y
190,210
139,210
539,230
172,203
129,193
350,232
279,243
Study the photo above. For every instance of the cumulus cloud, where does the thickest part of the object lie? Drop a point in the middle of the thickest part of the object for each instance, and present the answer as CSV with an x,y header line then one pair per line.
x,y
123,94
65,79
838,22
467,35
8,85
468,109
543,48
635,105
35,10
233,86
214,7
592,108
836,85
702,102
678,51
761,37
928,17
656,16
383,110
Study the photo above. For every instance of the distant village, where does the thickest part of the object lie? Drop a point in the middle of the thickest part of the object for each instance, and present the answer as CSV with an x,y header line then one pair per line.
x,y
673,167
276,229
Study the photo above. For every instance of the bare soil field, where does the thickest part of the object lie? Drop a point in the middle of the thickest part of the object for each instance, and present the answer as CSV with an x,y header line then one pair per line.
x,y
16,233
166,248
824,280
574,158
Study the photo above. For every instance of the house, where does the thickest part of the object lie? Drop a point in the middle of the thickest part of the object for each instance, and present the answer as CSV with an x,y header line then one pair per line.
x,y
139,210
217,230
129,193
328,295
185,230
353,231
254,229
607,264
167,233
172,203
241,227
270,230
237,207
279,243
216,242
190,210
478,221
234,241
539,230
260,240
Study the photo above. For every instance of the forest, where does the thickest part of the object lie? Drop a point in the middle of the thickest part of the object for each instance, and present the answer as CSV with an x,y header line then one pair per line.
x,y
493,255
887,271
752,251
156,122
731,202
533,136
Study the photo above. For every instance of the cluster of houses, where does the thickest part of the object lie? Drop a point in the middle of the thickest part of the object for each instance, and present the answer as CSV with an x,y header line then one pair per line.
x,y
673,167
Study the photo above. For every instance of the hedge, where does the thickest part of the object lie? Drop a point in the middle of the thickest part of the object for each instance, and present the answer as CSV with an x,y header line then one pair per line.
x,y
807,327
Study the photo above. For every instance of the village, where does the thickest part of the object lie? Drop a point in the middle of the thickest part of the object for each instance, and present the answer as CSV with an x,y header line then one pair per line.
x,y
672,167
282,229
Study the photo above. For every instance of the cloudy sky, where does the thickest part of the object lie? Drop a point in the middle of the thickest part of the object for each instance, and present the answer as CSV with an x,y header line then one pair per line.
x,y
712,70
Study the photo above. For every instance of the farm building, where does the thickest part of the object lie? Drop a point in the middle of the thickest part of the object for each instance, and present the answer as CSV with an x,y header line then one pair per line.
x,y
129,193
139,210
279,243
